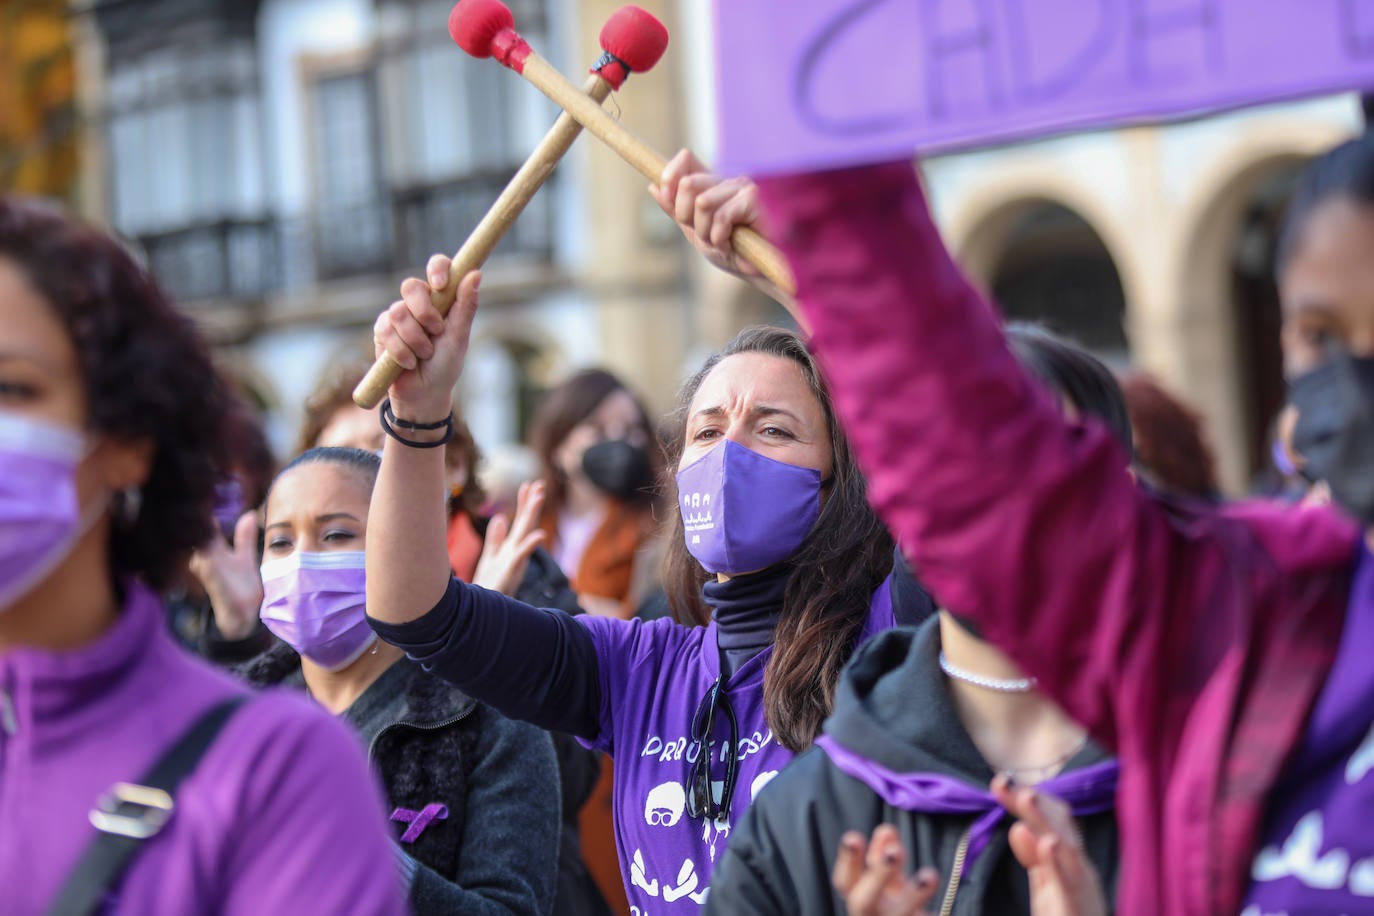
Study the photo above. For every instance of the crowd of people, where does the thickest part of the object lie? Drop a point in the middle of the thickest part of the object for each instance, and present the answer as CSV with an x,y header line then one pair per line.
x,y
916,613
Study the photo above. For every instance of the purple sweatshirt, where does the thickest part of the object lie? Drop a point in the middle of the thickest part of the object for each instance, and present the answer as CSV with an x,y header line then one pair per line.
x,y
280,816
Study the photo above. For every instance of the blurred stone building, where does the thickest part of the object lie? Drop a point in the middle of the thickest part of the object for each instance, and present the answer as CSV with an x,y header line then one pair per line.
x,y
1153,246
284,163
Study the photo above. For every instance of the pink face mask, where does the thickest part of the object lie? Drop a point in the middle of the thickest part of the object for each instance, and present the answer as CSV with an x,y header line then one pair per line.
x,y
40,514
316,603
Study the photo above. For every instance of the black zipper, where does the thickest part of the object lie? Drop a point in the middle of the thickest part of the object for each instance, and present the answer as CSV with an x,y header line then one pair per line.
x,y
419,727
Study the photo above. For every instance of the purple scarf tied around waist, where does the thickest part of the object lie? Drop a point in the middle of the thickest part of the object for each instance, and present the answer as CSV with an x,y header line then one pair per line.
x,y
1090,790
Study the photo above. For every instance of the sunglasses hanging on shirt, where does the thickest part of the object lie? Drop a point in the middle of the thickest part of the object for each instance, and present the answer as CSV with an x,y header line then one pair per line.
x,y
701,800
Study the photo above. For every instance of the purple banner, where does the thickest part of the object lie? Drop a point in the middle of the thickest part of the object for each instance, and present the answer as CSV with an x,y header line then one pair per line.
x,y
807,84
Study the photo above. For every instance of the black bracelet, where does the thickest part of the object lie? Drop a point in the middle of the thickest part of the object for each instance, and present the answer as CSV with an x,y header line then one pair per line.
x,y
406,424
388,418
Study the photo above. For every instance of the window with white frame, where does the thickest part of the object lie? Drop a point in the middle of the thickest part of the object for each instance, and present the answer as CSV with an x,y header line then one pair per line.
x,y
184,139
449,114
352,226
456,128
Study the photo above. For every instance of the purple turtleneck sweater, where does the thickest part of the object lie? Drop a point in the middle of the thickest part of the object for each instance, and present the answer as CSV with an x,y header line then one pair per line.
x,y
280,816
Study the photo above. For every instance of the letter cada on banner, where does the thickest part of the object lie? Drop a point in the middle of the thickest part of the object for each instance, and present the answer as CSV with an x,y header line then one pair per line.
x,y
808,84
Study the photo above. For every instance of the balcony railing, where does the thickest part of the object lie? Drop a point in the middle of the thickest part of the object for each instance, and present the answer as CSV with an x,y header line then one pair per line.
x,y
227,259
439,217
244,260
353,241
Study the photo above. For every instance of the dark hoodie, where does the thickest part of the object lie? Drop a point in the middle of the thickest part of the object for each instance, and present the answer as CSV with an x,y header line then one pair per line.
x,y
891,706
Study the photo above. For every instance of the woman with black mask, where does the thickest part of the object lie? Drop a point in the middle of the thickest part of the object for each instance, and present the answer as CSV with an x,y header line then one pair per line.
x,y
599,464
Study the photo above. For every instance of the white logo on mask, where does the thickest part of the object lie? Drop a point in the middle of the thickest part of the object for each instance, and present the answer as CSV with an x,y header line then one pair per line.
x,y
696,512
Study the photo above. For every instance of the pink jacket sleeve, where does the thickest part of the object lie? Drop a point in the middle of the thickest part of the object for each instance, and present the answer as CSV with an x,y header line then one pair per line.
x,y
1013,516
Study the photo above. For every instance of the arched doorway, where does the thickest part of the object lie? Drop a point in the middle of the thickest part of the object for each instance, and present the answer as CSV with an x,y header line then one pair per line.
x,y
1229,264
1255,303
1052,267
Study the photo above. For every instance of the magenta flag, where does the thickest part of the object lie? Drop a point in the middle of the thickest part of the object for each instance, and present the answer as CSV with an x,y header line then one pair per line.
x,y
809,84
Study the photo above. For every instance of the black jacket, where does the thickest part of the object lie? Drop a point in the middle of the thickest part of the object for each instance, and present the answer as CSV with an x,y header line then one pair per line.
x,y
497,850
893,707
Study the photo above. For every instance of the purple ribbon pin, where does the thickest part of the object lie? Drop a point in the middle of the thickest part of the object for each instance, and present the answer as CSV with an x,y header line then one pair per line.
x,y
418,820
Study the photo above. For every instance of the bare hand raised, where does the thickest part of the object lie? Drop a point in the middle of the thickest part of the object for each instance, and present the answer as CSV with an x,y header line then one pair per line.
x,y
429,346
506,553
231,578
871,876
707,209
1046,841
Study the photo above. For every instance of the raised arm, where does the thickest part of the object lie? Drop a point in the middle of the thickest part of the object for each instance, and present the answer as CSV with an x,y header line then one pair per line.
x,y
1014,516
529,663
707,210
407,557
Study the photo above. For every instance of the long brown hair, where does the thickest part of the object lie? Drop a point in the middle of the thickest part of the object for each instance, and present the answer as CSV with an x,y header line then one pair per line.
x,y
1170,447
845,557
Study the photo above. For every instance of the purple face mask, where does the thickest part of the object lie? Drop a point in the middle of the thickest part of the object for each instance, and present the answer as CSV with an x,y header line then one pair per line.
x,y
315,603
40,515
743,512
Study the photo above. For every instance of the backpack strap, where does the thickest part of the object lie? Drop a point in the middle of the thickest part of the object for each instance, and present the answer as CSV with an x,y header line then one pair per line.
x,y
129,813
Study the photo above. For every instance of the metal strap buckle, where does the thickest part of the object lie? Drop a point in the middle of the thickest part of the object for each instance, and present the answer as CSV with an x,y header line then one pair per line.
x,y
131,810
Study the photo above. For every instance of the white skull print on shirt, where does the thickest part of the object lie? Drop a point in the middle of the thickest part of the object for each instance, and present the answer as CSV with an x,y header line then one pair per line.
x,y
665,805
657,677
1317,849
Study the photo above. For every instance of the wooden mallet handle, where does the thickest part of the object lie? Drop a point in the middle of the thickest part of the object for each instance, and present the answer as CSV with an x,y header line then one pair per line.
x,y
512,50
479,245
633,41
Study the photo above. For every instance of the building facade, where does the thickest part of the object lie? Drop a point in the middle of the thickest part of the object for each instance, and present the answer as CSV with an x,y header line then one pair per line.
x,y
1153,246
284,163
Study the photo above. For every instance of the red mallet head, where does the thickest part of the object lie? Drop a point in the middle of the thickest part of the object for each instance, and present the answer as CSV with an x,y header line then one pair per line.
x,y
633,40
486,28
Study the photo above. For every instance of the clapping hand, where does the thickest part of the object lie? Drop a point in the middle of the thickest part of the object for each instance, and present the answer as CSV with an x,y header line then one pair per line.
x,y
509,543
871,876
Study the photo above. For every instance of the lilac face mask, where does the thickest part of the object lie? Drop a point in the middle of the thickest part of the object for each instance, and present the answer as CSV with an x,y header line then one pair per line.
x,y
743,512
40,514
315,603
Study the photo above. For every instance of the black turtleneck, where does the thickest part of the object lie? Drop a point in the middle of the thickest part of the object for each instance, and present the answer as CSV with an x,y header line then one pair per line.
x,y
542,666
746,610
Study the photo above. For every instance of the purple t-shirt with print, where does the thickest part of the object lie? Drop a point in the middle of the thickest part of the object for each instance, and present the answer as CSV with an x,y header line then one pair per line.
x,y
1318,851
653,677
